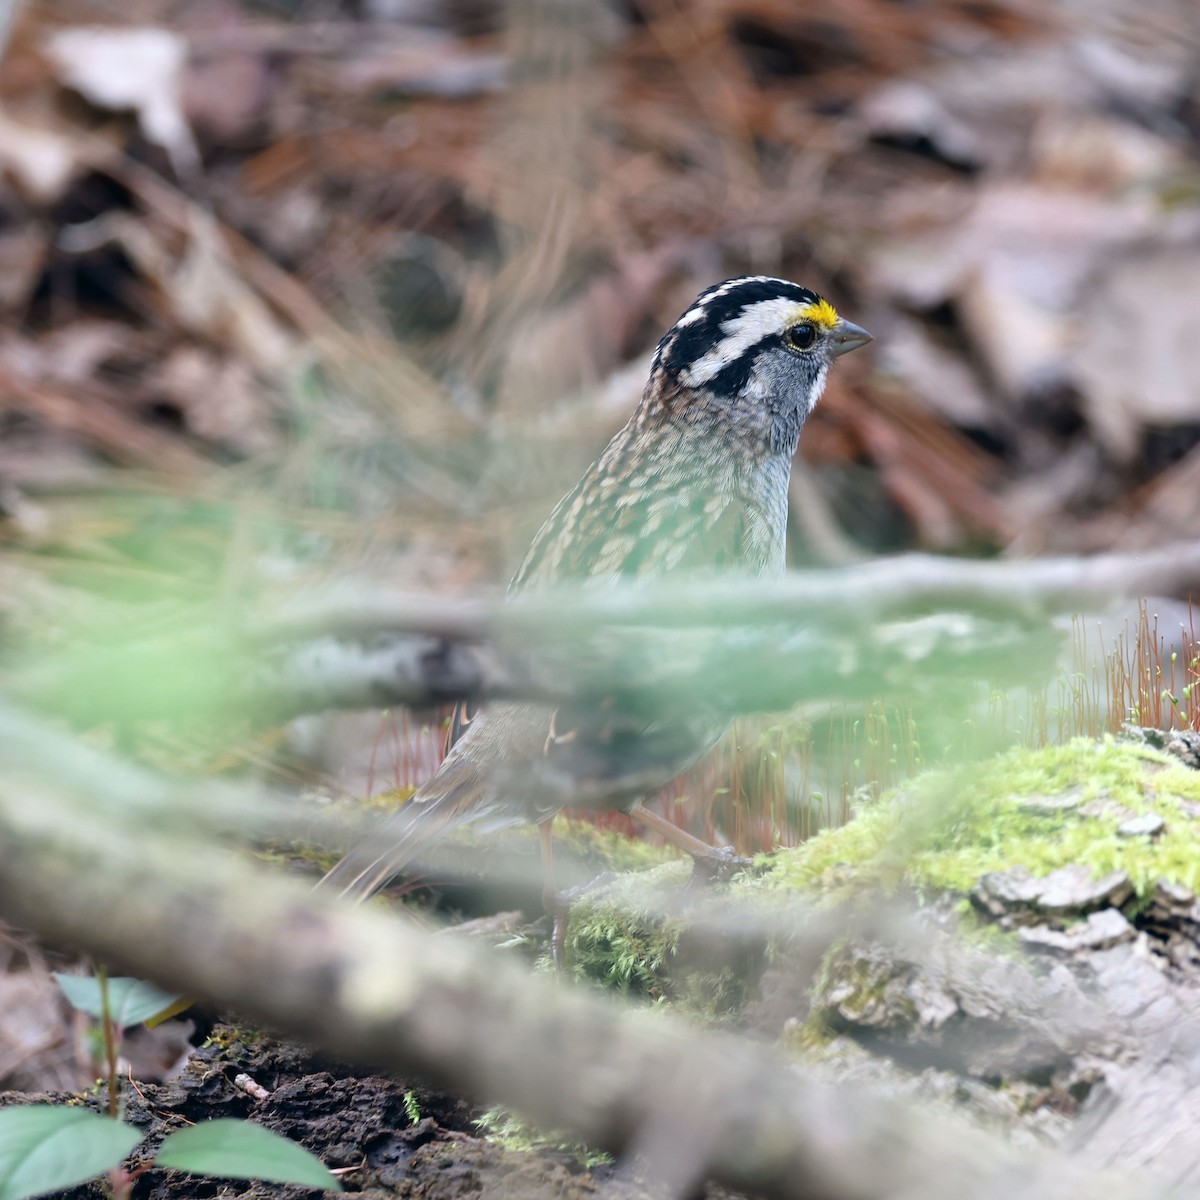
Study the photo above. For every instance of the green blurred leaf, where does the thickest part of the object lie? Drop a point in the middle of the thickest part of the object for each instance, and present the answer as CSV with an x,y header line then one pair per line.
x,y
131,1001
242,1150
45,1148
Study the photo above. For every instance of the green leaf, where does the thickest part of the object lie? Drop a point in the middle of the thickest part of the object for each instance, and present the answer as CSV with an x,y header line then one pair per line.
x,y
242,1150
47,1147
131,1001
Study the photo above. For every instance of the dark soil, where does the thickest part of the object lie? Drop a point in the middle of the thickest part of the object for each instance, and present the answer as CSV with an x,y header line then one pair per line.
x,y
358,1125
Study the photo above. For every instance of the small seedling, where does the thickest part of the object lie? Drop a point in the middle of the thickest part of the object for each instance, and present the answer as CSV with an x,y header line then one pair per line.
x,y
48,1147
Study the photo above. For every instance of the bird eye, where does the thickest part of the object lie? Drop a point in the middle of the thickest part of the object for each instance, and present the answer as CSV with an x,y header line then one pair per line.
x,y
801,337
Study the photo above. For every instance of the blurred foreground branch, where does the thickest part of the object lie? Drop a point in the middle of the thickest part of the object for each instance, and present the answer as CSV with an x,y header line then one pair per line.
x,y
890,627
911,585
635,670
128,795
375,990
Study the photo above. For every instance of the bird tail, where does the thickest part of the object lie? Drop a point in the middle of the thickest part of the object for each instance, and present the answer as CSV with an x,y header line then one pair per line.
x,y
446,801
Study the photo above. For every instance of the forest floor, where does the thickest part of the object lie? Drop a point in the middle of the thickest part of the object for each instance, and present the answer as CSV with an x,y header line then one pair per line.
x,y
292,292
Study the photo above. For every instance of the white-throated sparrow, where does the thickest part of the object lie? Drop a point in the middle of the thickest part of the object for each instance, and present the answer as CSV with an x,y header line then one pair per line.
x,y
697,481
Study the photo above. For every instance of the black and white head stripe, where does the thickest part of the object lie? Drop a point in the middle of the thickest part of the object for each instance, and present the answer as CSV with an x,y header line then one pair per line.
x,y
708,345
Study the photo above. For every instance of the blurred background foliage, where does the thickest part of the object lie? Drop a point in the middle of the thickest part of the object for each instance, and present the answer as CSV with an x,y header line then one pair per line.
x,y
295,291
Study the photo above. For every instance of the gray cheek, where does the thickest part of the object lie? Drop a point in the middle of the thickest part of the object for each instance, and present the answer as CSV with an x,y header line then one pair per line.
x,y
792,381
801,379
789,386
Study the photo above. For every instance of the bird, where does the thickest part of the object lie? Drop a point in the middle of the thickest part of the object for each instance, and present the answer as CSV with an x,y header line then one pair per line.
x,y
696,483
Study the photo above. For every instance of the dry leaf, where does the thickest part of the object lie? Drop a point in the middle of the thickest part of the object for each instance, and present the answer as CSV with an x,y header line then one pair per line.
x,y
139,70
40,161
1138,355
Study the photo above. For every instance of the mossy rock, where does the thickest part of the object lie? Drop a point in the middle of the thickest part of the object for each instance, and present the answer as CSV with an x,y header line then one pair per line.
x,y
1040,809
939,834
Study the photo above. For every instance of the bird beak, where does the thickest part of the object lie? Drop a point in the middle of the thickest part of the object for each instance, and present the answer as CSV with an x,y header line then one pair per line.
x,y
847,337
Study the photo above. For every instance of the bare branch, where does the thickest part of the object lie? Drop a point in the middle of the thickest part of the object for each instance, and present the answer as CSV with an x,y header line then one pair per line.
x,y
727,669
375,990
882,590
882,628
731,671
129,796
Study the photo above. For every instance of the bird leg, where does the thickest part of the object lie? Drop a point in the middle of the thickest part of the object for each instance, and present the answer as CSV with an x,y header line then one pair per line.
x,y
707,860
552,899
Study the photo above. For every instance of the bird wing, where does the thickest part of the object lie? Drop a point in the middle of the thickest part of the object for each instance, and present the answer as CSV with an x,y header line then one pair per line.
x,y
514,763
598,753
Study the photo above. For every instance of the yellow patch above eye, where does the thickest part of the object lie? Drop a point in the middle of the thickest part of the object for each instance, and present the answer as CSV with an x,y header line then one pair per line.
x,y
822,314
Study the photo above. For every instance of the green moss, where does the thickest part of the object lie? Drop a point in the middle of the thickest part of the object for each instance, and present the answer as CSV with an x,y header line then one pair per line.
x,y
618,937
387,802
713,996
947,828
610,849
237,1038
506,1129
937,834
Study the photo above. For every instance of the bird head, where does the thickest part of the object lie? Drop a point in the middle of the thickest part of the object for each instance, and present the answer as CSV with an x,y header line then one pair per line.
x,y
755,351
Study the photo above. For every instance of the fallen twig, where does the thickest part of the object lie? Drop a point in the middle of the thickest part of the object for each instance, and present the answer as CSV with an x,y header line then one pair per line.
x,y
377,991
